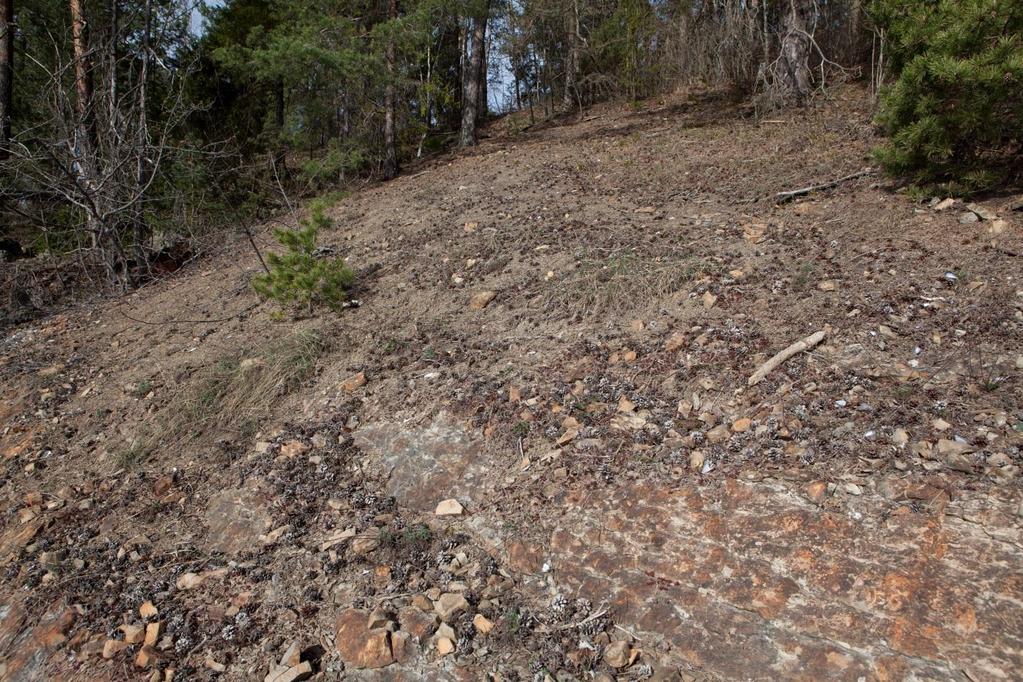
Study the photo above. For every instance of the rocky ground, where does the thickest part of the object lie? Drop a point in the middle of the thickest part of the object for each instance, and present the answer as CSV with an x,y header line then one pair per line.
x,y
533,449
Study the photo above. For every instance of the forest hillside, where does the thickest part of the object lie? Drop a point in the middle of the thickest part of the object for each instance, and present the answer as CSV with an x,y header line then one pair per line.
x,y
531,446
507,340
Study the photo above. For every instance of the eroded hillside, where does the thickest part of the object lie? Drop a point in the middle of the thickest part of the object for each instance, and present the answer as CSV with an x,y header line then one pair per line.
x,y
555,331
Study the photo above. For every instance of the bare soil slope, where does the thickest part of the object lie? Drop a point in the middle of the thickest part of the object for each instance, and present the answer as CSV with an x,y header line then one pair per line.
x,y
556,331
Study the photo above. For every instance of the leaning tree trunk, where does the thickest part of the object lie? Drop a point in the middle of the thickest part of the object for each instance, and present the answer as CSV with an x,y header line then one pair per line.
x,y
795,52
390,153
475,45
6,73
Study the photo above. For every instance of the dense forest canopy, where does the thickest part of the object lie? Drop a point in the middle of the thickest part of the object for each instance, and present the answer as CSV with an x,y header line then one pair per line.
x,y
126,127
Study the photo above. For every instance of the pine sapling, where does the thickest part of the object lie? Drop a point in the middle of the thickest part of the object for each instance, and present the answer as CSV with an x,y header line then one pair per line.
x,y
298,276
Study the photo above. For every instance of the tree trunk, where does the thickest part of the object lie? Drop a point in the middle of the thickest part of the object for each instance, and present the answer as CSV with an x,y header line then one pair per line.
x,y
279,106
535,95
98,225
464,31
463,50
140,231
855,49
6,73
571,56
390,153
547,84
481,91
795,52
83,67
281,155
765,34
470,78
429,100
115,30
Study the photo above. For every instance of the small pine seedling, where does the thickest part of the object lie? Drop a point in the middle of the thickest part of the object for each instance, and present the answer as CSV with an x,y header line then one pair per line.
x,y
300,278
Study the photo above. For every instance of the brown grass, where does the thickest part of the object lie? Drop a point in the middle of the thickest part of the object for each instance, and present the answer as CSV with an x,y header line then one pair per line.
x,y
602,285
232,394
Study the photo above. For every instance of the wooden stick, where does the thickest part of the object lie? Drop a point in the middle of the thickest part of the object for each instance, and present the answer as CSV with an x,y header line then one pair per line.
x,y
248,233
797,347
782,197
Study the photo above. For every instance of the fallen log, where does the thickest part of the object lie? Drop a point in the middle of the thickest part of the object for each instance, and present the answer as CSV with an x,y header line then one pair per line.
x,y
776,361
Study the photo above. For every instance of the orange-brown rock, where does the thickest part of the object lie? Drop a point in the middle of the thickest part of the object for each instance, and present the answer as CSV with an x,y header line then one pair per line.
x,y
359,646
524,557
418,624
897,590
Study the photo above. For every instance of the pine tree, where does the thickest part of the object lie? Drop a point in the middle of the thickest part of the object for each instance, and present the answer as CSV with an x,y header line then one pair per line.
x,y
955,111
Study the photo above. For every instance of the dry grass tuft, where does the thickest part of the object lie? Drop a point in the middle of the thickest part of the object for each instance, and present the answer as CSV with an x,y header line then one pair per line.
x,y
232,394
618,282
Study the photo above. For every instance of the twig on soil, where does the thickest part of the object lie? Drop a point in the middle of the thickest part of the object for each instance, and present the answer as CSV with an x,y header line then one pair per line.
x,y
593,616
629,632
782,197
776,361
206,321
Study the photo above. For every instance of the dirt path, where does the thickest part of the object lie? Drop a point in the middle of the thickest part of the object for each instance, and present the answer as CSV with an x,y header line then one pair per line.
x,y
556,331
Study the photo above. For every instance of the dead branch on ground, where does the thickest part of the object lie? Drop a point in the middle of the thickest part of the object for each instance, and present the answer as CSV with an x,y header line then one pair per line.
x,y
782,197
798,347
